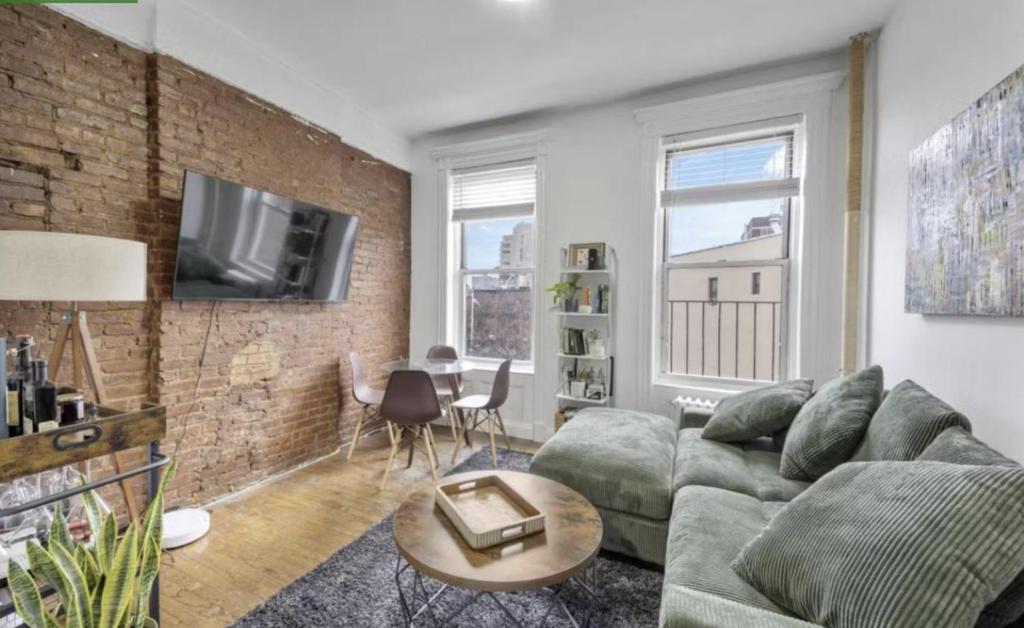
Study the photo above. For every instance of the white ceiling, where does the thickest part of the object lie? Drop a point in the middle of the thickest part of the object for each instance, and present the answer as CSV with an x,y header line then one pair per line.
x,y
425,65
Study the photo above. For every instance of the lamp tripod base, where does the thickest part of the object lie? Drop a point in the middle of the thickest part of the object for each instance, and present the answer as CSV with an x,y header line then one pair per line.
x,y
83,360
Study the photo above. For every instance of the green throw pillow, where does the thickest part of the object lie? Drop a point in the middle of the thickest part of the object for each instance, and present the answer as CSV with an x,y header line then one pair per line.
x,y
959,446
893,544
831,424
907,421
759,412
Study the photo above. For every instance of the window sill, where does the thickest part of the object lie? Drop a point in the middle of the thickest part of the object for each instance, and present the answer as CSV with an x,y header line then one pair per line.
x,y
707,387
518,368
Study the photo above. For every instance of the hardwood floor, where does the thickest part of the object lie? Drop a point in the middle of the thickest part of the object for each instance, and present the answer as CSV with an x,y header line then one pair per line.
x,y
263,539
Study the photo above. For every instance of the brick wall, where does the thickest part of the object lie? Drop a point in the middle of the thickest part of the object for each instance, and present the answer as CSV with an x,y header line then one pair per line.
x,y
94,138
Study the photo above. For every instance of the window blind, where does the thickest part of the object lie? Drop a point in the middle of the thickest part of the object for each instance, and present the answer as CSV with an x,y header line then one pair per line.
x,y
753,168
489,192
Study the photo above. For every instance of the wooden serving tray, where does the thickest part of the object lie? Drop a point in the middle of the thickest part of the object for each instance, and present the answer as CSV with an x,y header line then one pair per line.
x,y
487,511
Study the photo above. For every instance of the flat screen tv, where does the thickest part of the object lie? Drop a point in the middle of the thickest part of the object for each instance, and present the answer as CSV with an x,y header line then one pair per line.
x,y
237,242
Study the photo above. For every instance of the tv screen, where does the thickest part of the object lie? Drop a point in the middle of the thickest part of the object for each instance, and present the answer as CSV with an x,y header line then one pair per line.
x,y
237,242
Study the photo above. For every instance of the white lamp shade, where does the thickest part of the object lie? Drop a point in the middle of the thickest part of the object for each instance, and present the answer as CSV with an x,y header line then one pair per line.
x,y
47,266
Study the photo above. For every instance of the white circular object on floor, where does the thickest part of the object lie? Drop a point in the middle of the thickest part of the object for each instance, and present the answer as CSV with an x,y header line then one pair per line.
x,y
185,526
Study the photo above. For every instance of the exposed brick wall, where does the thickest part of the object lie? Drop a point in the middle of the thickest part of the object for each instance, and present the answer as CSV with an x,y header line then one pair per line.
x,y
97,142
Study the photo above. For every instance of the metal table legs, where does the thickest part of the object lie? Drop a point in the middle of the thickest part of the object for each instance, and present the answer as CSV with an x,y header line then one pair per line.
x,y
420,603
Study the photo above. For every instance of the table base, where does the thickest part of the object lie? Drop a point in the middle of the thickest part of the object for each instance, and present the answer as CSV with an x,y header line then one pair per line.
x,y
585,582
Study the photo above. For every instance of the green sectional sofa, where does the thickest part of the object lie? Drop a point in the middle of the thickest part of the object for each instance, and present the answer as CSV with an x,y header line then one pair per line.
x,y
670,497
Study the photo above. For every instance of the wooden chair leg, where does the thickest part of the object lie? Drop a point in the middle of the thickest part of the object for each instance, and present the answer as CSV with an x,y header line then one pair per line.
x,y
501,426
430,453
452,421
355,435
494,451
391,433
391,458
458,441
433,446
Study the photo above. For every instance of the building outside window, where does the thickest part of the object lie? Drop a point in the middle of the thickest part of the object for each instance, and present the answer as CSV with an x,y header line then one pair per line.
x,y
726,202
492,209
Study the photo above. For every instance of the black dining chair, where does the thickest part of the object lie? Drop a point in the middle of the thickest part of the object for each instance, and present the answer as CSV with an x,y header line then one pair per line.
x,y
490,406
410,404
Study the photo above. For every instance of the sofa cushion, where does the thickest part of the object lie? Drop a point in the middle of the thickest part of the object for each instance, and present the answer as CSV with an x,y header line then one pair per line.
x,y
959,446
946,537
906,422
618,459
709,527
831,424
682,607
750,468
758,412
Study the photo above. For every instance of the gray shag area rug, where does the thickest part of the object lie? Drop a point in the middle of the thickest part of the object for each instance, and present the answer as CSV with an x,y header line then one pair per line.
x,y
356,586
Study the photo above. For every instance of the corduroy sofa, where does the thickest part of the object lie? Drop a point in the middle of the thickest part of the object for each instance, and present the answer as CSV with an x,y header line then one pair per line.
x,y
671,497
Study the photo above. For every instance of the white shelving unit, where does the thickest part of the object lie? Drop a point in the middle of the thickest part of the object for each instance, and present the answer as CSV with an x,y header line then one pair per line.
x,y
601,321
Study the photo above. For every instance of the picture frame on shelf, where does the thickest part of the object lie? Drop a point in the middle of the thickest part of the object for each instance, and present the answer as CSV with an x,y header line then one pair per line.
x,y
587,256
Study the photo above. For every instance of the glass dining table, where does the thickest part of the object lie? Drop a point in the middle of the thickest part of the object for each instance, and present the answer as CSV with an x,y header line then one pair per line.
x,y
437,367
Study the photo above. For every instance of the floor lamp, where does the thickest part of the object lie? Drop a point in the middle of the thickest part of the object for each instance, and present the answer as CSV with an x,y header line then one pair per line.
x,y
73,268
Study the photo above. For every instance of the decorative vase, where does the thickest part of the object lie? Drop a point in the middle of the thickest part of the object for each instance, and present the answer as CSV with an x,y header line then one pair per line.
x,y
597,348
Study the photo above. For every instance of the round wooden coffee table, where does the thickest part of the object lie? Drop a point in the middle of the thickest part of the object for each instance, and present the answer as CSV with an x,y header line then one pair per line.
x,y
563,552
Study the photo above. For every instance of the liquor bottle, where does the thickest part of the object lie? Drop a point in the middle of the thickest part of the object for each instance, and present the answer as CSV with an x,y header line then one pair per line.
x,y
44,397
13,400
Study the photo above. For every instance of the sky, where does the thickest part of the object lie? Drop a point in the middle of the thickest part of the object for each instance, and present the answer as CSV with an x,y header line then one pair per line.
x,y
696,227
692,227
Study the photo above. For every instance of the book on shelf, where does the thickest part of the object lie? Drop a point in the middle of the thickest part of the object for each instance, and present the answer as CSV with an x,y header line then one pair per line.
x,y
574,341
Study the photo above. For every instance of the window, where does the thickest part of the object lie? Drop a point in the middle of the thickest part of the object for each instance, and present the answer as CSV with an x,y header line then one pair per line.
x,y
726,200
492,209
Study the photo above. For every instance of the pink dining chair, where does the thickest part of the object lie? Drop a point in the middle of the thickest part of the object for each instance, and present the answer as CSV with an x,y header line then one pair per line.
x,y
410,404
370,398
443,384
489,405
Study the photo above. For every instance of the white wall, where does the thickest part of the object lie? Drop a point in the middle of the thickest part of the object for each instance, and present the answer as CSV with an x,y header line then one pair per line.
x,y
181,29
593,184
934,58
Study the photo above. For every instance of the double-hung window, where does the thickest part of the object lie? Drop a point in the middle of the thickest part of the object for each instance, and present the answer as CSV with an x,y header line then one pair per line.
x,y
726,198
492,210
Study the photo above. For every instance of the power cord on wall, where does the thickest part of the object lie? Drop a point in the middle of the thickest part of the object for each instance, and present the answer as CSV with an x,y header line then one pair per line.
x,y
199,379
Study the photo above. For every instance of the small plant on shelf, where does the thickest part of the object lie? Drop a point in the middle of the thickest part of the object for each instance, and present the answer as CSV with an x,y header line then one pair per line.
x,y
564,292
103,583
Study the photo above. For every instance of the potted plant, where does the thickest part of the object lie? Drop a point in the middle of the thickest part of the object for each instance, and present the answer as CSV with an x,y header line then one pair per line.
x,y
104,583
564,292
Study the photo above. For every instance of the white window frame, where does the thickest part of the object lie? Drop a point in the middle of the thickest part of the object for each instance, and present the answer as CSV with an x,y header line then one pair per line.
x,y
492,152
723,194
811,328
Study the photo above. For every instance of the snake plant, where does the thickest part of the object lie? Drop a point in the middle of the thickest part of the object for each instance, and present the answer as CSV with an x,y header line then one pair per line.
x,y
104,583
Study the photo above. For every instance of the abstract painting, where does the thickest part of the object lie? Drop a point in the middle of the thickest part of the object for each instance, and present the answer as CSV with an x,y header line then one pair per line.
x,y
965,237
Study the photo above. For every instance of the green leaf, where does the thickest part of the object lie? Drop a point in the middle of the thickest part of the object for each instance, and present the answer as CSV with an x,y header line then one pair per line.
x,y
105,541
45,567
117,590
27,600
94,514
79,612
154,522
88,564
59,533
147,575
